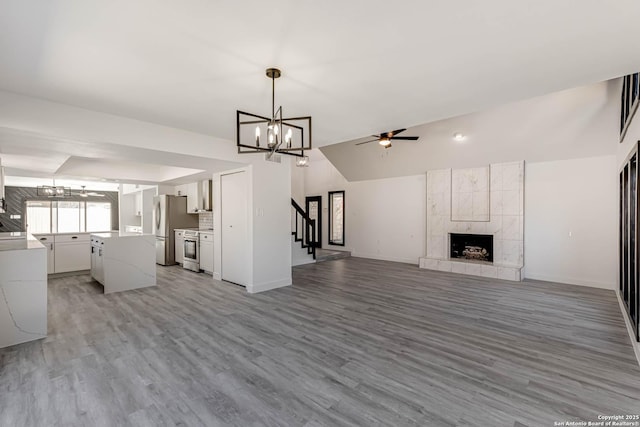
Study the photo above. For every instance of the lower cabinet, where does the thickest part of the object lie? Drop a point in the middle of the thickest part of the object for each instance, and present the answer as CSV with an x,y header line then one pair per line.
x,y
72,253
97,261
179,247
48,241
206,252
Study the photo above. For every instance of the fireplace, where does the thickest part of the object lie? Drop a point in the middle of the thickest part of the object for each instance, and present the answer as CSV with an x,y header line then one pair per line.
x,y
471,247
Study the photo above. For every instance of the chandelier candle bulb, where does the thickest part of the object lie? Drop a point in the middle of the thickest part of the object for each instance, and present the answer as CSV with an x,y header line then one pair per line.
x,y
287,138
257,136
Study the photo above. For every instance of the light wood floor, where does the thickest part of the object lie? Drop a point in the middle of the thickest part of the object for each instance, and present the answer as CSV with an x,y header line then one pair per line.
x,y
353,342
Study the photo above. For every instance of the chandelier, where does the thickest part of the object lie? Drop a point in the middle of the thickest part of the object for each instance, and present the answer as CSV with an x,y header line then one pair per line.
x,y
275,134
53,191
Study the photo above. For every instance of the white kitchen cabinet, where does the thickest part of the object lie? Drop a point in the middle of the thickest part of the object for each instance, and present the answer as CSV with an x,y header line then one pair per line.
x,y
123,261
193,199
133,188
179,247
97,263
72,252
48,242
206,252
138,203
181,190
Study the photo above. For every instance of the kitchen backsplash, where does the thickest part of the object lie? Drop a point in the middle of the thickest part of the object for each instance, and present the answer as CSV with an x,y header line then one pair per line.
x,y
205,219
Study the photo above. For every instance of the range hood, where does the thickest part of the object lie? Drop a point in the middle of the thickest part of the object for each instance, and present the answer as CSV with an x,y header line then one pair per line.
x,y
3,202
205,202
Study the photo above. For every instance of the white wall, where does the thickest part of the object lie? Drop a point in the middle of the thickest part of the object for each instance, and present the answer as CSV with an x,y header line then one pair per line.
x,y
384,219
297,181
271,200
268,225
576,196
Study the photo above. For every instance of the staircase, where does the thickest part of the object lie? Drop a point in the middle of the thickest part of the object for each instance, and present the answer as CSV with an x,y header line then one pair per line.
x,y
329,255
304,230
304,233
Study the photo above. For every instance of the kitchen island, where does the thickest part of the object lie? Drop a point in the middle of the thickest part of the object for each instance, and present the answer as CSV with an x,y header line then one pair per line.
x,y
122,261
23,289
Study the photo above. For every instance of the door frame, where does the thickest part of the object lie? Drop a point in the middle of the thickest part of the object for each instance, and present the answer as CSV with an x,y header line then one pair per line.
x,y
318,199
247,279
330,214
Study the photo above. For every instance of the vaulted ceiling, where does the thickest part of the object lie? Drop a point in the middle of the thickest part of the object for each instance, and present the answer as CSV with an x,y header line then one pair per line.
x,y
358,67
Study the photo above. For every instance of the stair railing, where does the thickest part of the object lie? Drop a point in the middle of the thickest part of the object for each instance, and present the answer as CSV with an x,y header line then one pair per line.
x,y
304,229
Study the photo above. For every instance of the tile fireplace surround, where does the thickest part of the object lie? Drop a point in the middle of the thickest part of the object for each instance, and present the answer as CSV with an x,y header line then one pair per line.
x,y
506,219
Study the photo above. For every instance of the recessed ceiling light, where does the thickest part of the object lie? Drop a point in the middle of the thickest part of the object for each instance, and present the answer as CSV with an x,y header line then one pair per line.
x,y
458,136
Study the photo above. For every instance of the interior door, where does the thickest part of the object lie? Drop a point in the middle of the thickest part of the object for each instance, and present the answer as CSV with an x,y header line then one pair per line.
x,y
234,233
314,210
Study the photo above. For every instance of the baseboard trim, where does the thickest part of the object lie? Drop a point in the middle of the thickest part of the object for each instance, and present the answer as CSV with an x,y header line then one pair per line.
x,y
262,287
635,345
569,280
68,274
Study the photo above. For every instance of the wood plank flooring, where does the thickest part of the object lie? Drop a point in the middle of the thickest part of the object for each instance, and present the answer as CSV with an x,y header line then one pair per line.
x,y
354,342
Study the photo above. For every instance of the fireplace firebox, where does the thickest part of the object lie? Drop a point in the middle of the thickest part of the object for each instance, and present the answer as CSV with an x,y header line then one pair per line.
x,y
472,247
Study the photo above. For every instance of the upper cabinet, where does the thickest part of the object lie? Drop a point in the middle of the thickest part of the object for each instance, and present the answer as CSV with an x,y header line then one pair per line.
x,y
133,188
138,203
198,196
193,199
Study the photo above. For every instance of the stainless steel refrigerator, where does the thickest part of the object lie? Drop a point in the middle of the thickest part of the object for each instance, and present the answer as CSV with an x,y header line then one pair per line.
x,y
169,213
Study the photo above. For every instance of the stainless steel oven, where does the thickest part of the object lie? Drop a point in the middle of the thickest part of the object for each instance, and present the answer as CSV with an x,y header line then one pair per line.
x,y
191,260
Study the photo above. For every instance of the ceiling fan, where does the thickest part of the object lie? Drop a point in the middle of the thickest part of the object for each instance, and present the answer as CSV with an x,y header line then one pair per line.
x,y
85,193
385,138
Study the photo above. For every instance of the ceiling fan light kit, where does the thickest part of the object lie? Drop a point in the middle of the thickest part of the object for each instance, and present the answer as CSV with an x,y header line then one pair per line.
x,y
85,193
291,136
385,138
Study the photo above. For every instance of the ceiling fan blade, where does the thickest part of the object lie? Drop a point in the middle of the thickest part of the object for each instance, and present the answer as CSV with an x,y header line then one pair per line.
x,y
405,138
394,132
366,142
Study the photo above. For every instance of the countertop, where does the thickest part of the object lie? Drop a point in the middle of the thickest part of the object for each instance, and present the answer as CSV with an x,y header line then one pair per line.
x,y
118,234
18,242
73,234
201,230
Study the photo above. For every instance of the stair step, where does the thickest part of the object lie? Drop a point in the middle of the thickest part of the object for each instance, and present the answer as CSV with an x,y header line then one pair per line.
x,y
330,255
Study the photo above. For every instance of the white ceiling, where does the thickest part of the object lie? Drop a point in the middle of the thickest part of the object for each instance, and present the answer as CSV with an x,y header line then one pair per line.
x,y
27,154
358,67
579,122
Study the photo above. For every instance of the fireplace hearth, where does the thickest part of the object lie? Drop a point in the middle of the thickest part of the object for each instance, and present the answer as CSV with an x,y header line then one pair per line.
x,y
471,247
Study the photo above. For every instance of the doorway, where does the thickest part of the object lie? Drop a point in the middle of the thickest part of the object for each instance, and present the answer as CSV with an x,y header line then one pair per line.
x,y
313,207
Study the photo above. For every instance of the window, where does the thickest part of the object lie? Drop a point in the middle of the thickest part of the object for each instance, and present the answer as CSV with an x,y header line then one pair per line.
x,y
98,216
67,216
629,100
336,218
39,217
